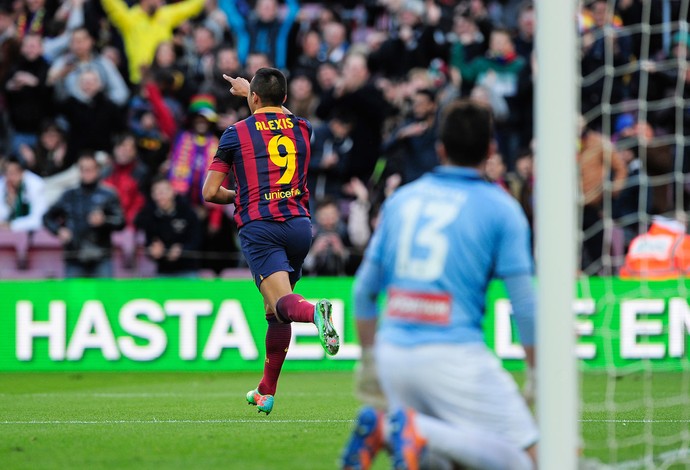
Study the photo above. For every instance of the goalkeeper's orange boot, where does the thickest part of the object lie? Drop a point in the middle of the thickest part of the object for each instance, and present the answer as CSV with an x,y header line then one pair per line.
x,y
365,441
262,402
407,446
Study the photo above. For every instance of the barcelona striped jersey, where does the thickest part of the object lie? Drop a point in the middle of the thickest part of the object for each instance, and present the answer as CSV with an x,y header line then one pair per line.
x,y
268,154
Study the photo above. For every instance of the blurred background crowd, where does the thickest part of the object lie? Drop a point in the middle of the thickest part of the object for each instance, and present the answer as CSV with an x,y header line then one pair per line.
x,y
111,113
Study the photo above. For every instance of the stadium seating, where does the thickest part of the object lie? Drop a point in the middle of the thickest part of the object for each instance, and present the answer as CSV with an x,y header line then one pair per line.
x,y
124,253
39,255
145,266
45,258
13,253
236,273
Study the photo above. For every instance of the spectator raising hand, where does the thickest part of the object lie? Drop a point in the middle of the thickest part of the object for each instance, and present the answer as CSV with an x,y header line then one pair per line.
x,y
146,25
27,94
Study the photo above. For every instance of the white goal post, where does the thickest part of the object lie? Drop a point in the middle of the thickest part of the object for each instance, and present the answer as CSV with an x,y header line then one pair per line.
x,y
556,232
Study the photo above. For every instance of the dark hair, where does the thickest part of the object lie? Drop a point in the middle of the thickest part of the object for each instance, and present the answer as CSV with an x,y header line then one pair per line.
x,y
53,125
271,86
524,152
83,29
223,46
428,92
87,154
465,132
325,202
504,31
345,116
16,160
327,64
526,5
159,178
121,137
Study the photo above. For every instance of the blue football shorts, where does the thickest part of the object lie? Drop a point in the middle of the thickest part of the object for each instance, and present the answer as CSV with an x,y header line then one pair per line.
x,y
270,247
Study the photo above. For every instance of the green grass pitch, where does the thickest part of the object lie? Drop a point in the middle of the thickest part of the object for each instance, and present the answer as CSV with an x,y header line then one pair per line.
x,y
201,420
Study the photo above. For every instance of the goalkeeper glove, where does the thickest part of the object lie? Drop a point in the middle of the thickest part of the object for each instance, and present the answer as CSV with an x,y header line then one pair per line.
x,y
367,387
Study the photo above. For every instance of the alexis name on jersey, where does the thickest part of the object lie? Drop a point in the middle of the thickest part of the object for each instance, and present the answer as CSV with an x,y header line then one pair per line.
x,y
274,124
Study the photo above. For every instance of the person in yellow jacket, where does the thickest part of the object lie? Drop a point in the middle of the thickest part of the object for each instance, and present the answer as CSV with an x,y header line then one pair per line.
x,y
146,25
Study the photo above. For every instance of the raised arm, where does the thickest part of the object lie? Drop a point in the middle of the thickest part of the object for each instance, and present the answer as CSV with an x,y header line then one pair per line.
x,y
55,47
163,114
118,13
116,87
238,26
177,13
281,46
240,87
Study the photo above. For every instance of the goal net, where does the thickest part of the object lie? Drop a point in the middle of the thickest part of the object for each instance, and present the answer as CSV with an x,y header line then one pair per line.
x,y
632,307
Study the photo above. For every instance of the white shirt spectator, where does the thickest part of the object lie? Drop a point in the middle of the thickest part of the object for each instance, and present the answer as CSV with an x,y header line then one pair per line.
x,y
31,193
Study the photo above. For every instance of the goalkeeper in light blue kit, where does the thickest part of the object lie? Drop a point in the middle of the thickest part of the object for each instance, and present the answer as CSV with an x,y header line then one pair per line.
x,y
440,240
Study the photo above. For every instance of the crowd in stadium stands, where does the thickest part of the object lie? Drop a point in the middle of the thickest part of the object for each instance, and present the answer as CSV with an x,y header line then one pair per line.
x,y
103,98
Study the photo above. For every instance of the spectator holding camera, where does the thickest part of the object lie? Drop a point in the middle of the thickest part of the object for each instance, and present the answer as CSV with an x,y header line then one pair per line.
x,y
84,219
356,94
412,145
417,41
172,231
65,72
329,251
331,153
93,118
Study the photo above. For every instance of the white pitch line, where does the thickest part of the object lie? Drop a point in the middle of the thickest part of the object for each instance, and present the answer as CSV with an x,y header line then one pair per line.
x,y
222,421
281,421
114,395
125,395
665,459
635,421
179,421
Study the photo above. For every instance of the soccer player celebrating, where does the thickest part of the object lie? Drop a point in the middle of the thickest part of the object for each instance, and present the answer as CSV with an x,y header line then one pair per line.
x,y
268,154
440,240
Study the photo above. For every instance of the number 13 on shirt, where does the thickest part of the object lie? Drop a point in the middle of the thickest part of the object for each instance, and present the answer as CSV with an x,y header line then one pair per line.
x,y
424,229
